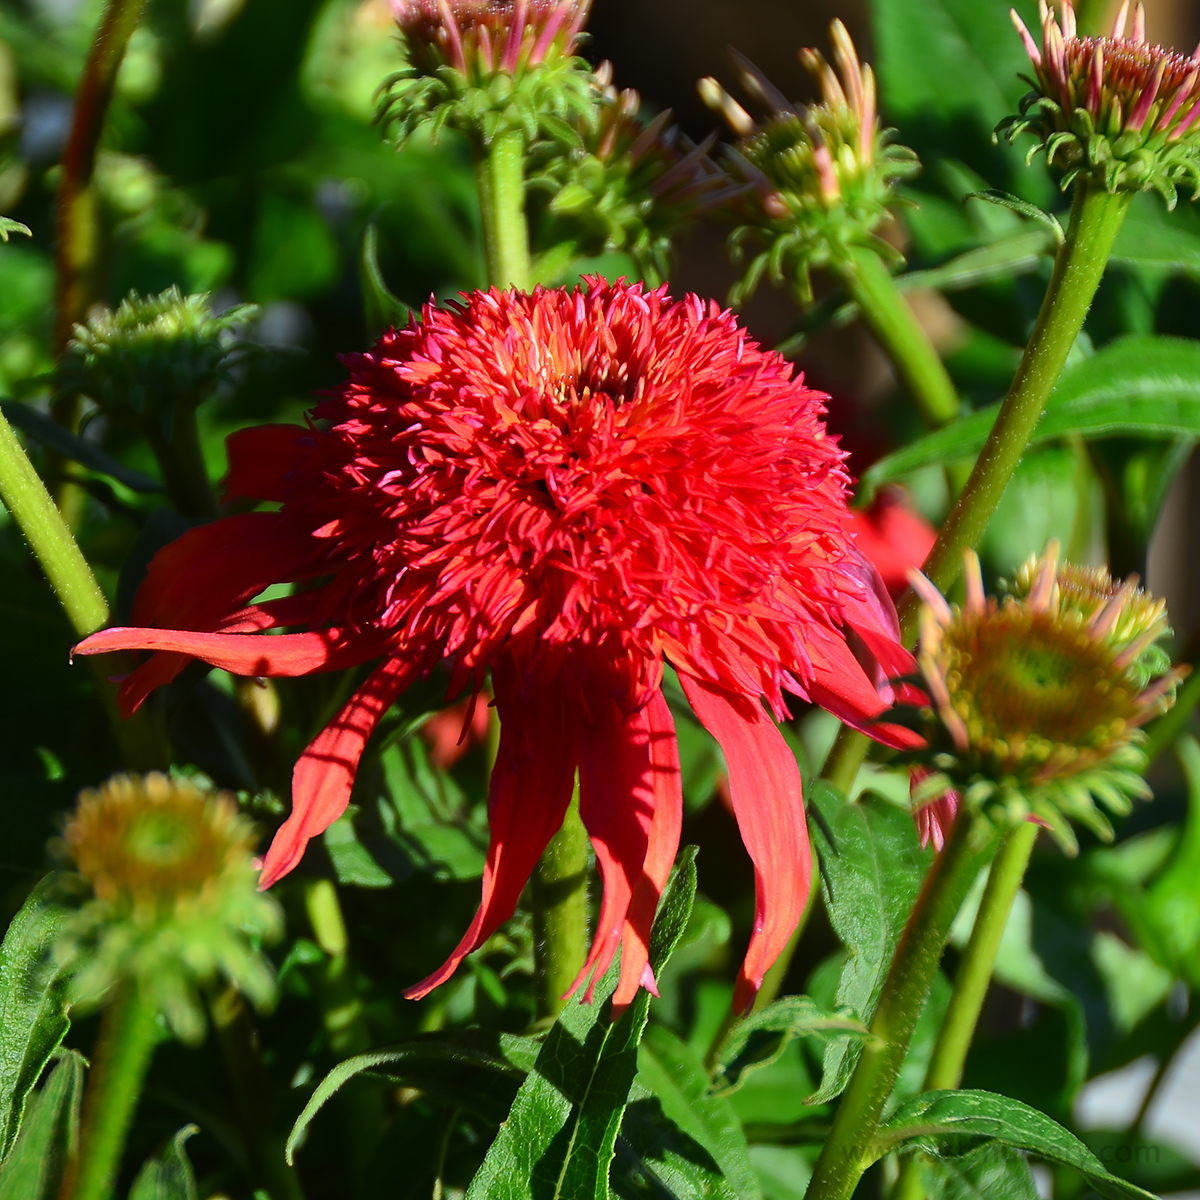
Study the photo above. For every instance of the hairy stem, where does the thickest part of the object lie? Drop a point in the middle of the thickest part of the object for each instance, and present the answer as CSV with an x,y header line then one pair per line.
x,y
560,911
500,176
971,981
899,333
128,1034
1096,217
847,1151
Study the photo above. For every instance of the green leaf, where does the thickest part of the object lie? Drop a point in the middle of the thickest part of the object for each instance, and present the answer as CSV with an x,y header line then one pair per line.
x,y
760,1039
54,437
949,71
871,870
1152,237
993,1170
957,1122
474,1069
1143,384
33,1168
8,225
169,1175
33,1010
674,1073
560,1136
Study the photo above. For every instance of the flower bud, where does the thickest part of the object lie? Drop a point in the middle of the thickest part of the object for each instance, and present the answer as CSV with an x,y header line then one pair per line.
x,y
1115,110
1036,701
174,900
820,177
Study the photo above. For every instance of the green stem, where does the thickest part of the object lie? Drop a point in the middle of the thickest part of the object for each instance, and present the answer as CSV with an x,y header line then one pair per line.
x,y
865,276
128,1034
1096,217
847,1151
560,911
181,460
77,233
972,979
500,176
32,508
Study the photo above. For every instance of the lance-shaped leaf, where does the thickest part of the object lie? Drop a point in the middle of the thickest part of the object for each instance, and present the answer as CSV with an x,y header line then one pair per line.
x,y
761,1038
956,1123
993,1170
33,1011
34,1166
1143,385
168,1175
871,870
560,1136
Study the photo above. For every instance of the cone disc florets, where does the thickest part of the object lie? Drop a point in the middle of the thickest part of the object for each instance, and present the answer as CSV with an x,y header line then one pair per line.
x,y
174,896
487,66
1113,109
1036,700
822,177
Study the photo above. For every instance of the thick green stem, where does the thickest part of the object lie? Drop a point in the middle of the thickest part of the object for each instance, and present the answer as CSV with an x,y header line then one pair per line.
x,y
128,1035
36,515
1096,217
560,911
848,1149
898,331
500,176
181,460
971,981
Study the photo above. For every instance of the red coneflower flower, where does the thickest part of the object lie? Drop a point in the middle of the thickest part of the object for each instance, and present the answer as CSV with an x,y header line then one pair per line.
x,y
568,489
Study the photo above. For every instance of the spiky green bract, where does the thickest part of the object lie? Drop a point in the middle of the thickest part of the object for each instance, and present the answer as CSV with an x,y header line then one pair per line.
x,y
153,357
821,178
629,184
1114,110
174,898
1036,702
488,67
8,225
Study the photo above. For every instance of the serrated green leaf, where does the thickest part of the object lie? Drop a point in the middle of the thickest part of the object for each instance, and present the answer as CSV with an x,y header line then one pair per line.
x,y
477,1070
169,1175
871,870
33,1010
33,1168
957,1122
760,1039
1143,384
674,1073
560,1136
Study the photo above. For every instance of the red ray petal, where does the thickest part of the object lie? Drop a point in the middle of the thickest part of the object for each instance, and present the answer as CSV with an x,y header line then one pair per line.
x,y
768,801
528,797
244,653
261,457
324,774
666,818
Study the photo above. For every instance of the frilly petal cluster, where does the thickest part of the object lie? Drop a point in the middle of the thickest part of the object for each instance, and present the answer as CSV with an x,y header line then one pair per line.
x,y
487,66
1036,701
569,490
820,177
174,901
1115,110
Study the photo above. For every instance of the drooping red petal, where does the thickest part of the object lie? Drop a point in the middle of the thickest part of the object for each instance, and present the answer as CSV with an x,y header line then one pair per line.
x,y
260,459
244,653
619,759
528,797
768,802
324,774
666,819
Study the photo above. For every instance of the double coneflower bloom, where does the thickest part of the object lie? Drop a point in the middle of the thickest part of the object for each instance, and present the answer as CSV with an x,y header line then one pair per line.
x,y
569,490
